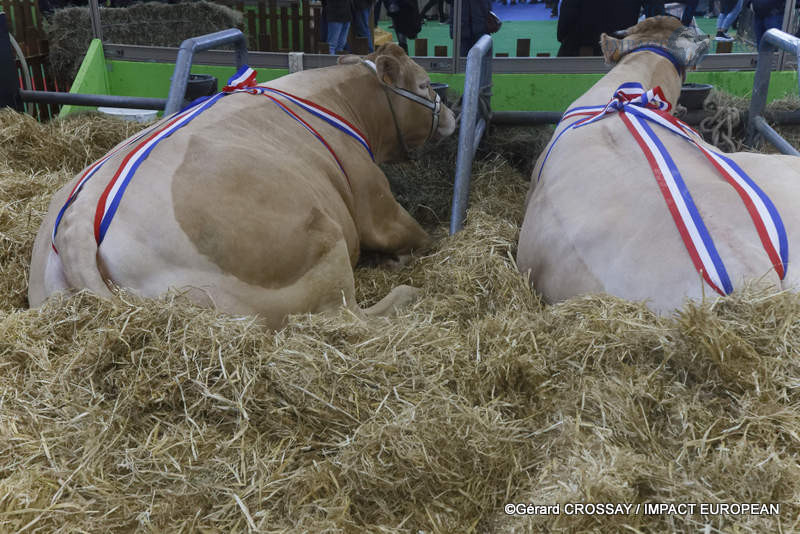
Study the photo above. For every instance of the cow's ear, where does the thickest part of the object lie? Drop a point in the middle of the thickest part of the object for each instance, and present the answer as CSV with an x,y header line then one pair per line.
x,y
388,69
612,48
348,59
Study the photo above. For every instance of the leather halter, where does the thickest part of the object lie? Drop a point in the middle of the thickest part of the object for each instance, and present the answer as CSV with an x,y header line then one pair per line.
x,y
663,52
434,105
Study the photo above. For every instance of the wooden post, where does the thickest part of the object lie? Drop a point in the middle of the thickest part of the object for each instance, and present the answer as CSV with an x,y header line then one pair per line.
x,y
252,32
273,23
523,47
308,36
263,42
724,47
295,18
318,40
360,46
420,47
284,29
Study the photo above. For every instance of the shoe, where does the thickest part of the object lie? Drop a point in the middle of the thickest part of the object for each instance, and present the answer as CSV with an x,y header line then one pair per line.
x,y
722,36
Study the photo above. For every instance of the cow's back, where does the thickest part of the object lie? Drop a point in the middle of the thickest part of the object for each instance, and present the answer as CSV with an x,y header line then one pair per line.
x,y
597,222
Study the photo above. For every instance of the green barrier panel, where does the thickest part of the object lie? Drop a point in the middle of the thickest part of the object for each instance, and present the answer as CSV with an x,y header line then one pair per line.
x,y
91,77
523,92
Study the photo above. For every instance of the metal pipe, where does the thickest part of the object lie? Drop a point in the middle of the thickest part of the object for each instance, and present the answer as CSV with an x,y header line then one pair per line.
x,y
26,75
469,130
786,26
455,16
94,15
77,99
774,137
772,40
183,64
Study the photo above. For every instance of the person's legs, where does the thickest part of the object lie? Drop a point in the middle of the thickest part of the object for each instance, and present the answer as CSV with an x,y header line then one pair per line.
x,y
690,6
728,8
361,24
761,25
337,35
424,11
402,41
725,8
378,5
729,18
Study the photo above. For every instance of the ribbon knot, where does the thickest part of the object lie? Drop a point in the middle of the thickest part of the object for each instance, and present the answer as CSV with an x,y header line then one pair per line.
x,y
627,96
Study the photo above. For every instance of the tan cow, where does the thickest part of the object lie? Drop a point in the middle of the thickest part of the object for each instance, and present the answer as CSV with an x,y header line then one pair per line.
x,y
244,207
599,219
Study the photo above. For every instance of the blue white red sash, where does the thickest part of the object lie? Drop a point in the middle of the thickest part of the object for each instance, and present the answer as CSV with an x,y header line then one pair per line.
x,y
637,109
241,82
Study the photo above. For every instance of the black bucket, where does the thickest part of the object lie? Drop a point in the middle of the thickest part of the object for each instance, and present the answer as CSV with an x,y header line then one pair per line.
x,y
200,85
441,90
694,94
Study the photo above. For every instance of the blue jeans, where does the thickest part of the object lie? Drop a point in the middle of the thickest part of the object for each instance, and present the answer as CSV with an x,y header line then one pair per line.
x,y
361,25
761,25
726,20
337,36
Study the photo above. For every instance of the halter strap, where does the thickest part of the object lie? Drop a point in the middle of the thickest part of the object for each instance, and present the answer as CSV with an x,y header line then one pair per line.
x,y
665,54
434,105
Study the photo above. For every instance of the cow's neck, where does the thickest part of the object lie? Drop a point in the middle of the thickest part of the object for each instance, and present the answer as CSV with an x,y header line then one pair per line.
x,y
353,92
647,68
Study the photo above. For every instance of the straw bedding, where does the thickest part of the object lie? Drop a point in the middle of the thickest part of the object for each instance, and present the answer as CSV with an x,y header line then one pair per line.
x,y
154,415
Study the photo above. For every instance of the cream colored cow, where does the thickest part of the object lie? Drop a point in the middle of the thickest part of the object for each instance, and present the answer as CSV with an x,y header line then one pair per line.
x,y
244,207
598,221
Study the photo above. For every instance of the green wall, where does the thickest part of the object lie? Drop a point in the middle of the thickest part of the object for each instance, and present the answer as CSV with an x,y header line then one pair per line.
x,y
133,78
91,77
526,92
554,92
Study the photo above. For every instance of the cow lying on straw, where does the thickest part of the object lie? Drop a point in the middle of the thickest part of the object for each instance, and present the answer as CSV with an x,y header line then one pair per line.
x,y
627,200
256,200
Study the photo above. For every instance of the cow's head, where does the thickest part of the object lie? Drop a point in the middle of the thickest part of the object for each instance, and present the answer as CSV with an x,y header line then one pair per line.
x,y
686,44
416,109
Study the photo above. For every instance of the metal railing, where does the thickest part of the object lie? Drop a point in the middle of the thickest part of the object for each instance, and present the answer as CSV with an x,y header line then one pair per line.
x,y
477,86
772,41
183,64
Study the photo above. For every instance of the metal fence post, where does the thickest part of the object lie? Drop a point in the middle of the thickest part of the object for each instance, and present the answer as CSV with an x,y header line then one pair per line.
x,y
477,79
772,40
94,14
183,64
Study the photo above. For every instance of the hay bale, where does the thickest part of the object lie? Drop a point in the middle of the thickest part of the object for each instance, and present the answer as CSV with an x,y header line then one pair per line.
x,y
156,415
152,24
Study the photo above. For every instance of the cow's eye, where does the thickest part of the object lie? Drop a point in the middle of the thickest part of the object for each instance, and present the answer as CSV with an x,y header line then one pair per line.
x,y
424,85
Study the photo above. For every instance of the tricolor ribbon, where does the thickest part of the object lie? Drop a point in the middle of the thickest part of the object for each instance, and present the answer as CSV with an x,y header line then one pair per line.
x,y
144,143
638,109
